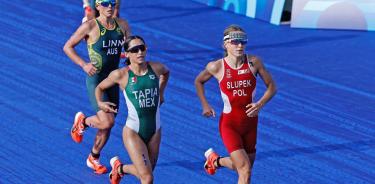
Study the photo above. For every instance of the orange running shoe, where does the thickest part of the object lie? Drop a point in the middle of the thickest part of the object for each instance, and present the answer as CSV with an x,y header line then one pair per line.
x,y
211,157
94,164
114,176
78,128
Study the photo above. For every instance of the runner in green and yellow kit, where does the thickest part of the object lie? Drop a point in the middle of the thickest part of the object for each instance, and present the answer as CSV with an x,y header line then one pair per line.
x,y
143,85
105,37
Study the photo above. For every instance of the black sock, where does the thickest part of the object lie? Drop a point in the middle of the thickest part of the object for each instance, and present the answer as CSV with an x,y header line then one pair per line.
x,y
121,172
95,155
84,123
218,162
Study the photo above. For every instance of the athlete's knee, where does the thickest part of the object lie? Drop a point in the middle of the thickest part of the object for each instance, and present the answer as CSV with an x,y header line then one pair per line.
x,y
107,123
146,177
244,169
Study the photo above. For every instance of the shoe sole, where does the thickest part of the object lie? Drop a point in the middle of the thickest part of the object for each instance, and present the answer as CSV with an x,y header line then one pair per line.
x,y
89,164
113,160
78,114
208,152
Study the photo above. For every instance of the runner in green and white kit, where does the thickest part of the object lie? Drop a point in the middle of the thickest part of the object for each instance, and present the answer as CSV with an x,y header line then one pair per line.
x,y
142,99
143,85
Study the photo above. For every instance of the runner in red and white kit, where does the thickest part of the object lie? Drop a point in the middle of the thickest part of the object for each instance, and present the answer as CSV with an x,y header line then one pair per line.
x,y
236,74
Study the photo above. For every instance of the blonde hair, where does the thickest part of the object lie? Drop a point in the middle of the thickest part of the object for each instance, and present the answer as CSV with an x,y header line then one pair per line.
x,y
229,29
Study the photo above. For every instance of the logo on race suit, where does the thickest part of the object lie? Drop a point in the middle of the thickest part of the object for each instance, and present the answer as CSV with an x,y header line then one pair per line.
x,y
134,79
152,77
228,74
244,71
102,32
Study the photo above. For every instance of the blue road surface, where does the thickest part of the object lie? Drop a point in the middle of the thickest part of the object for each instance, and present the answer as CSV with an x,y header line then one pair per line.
x,y
319,128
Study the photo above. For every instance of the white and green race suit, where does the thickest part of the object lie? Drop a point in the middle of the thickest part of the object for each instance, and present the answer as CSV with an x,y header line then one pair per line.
x,y
142,99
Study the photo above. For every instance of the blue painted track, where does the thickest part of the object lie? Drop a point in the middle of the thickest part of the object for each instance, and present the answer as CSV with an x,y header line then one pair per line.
x,y
319,128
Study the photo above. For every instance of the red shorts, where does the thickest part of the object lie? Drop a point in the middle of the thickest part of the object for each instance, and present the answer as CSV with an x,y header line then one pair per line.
x,y
238,135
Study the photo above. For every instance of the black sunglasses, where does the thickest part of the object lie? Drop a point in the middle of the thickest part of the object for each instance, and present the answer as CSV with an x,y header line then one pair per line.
x,y
137,48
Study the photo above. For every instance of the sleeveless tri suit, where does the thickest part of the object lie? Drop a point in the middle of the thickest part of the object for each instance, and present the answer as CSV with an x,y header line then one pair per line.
x,y
142,98
104,54
237,87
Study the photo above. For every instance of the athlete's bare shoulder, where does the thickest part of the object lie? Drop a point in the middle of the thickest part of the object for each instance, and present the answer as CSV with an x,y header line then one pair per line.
x,y
254,60
214,67
155,64
121,20
90,24
92,30
84,31
158,67
115,75
123,71
120,76
124,26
